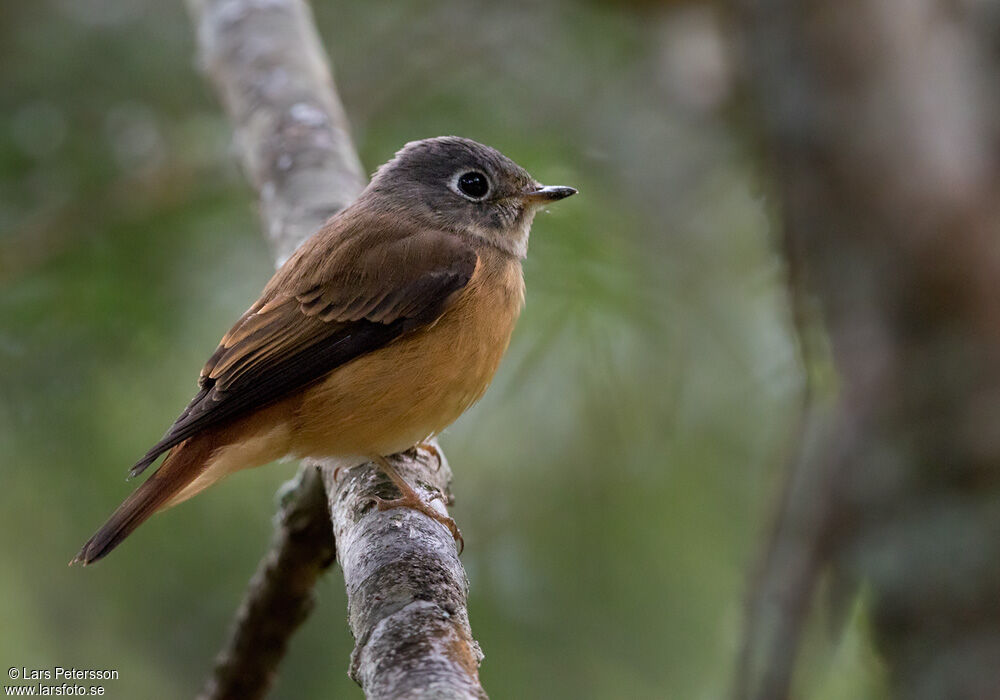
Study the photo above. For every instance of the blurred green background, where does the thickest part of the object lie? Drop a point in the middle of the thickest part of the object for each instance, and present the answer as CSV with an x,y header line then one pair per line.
x,y
615,483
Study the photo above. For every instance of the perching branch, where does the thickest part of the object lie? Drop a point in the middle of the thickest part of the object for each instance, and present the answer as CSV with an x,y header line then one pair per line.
x,y
406,588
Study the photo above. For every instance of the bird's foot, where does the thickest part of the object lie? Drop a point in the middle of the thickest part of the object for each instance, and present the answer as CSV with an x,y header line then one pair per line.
x,y
418,504
409,498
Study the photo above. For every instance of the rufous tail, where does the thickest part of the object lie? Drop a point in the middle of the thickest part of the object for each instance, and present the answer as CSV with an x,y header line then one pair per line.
x,y
183,464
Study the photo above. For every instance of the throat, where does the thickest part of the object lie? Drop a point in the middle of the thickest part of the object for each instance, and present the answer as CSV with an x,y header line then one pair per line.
x,y
511,241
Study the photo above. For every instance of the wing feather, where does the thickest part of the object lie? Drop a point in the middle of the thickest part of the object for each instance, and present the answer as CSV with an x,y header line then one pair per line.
x,y
351,289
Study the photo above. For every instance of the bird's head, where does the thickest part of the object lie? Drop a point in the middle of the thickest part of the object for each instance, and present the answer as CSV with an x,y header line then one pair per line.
x,y
461,186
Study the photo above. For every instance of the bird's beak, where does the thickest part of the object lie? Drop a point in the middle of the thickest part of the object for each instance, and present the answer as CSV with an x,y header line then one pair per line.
x,y
541,195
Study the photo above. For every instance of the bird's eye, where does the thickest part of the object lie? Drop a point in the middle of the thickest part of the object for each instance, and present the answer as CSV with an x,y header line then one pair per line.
x,y
473,184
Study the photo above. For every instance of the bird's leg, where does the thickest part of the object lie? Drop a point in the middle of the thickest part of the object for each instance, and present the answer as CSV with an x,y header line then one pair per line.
x,y
409,498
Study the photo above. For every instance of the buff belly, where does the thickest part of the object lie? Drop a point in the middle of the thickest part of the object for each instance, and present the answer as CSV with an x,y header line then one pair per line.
x,y
389,400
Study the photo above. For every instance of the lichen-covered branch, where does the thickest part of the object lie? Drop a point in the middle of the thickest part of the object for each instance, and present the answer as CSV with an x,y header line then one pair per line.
x,y
406,587
268,66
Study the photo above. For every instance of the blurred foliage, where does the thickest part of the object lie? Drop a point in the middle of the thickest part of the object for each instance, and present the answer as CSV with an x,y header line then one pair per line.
x,y
614,484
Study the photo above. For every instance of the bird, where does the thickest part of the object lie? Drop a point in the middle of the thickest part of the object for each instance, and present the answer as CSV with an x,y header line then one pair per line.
x,y
377,333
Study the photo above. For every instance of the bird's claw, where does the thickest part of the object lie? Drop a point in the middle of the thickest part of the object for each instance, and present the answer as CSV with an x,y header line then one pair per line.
x,y
423,507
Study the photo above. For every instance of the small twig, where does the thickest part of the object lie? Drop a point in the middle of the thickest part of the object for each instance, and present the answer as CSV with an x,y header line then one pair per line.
x,y
784,579
279,597
795,553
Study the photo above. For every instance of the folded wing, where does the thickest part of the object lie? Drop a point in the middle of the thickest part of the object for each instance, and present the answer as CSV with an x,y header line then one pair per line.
x,y
350,290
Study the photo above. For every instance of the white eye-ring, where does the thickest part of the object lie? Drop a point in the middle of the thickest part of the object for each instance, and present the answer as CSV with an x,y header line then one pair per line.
x,y
471,184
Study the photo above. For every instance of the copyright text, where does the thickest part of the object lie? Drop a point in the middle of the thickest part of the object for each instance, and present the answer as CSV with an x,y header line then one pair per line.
x,y
56,681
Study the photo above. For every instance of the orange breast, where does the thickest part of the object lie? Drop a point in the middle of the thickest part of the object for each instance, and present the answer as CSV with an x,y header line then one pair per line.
x,y
415,387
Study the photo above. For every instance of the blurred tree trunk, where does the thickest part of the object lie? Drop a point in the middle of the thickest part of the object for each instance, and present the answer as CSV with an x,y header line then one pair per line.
x,y
880,121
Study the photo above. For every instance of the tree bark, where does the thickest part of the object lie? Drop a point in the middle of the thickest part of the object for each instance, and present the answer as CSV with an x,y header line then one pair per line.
x,y
406,587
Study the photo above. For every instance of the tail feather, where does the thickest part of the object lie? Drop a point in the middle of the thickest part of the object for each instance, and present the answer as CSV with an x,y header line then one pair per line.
x,y
184,464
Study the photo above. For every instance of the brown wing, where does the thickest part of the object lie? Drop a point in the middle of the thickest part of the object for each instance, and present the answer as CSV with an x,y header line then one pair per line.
x,y
349,290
